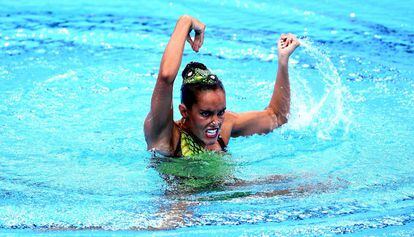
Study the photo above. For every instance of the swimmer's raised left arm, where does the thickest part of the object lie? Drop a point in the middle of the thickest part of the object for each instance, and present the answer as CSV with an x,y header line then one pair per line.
x,y
276,114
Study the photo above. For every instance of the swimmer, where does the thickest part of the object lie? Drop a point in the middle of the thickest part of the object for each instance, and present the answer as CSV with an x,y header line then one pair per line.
x,y
206,124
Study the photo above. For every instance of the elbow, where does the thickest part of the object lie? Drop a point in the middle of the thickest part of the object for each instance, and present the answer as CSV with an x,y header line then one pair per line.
x,y
277,119
282,119
166,75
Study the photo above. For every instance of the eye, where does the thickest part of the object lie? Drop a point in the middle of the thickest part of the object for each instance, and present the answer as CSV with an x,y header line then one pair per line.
x,y
205,113
221,113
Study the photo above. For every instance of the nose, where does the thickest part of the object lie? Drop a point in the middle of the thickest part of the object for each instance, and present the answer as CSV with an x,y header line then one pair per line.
x,y
215,120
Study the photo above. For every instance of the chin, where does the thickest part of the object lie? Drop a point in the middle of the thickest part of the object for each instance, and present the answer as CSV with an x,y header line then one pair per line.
x,y
210,141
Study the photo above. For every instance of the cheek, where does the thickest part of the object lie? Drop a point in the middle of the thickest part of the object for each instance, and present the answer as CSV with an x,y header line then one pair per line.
x,y
201,121
198,120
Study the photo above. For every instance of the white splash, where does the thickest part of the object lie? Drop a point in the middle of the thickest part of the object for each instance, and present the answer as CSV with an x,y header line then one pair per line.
x,y
320,106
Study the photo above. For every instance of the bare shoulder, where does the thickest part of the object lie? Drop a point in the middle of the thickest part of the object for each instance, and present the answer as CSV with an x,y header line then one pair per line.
x,y
230,116
165,143
227,127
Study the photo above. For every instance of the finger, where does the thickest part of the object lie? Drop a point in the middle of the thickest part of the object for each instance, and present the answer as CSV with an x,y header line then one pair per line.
x,y
198,40
284,40
287,40
189,40
293,45
294,40
292,37
201,38
193,44
280,43
286,43
196,43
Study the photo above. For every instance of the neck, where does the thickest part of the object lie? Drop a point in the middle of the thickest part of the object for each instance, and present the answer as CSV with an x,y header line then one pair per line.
x,y
184,125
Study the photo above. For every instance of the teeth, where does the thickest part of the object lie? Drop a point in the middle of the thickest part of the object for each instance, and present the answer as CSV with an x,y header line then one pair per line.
x,y
211,131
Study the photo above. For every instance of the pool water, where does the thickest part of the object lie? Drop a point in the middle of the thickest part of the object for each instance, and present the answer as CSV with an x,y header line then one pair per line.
x,y
76,80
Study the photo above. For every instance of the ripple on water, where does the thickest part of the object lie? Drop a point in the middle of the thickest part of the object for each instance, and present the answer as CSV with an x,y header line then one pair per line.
x,y
75,88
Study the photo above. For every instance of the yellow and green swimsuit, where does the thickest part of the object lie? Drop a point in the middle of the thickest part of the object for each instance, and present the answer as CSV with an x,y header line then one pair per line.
x,y
201,169
190,147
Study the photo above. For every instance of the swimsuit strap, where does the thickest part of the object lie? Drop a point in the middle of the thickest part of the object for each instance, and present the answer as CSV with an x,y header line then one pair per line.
x,y
178,148
222,144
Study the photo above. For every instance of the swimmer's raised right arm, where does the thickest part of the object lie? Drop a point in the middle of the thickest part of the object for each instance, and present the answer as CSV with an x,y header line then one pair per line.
x,y
158,126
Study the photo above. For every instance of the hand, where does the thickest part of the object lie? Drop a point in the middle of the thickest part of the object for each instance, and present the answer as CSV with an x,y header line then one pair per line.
x,y
199,29
286,46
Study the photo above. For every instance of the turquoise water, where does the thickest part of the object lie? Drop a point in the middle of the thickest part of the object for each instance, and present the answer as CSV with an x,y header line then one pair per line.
x,y
75,85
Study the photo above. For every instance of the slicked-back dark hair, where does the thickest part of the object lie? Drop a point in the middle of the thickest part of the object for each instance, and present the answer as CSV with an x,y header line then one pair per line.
x,y
189,91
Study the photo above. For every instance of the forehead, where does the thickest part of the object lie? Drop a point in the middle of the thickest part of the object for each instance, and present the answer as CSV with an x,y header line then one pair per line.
x,y
211,100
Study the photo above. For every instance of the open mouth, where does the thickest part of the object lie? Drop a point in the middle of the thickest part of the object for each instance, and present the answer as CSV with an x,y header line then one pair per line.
x,y
211,133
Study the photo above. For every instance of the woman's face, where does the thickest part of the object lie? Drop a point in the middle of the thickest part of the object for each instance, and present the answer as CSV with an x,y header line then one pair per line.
x,y
207,115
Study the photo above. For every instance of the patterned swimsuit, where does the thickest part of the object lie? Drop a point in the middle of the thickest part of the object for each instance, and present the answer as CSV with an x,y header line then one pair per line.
x,y
189,145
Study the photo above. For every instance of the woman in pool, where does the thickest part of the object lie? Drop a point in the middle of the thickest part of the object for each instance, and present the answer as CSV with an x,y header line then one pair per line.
x,y
205,123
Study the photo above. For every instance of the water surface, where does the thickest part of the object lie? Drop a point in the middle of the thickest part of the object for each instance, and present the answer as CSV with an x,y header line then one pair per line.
x,y
75,86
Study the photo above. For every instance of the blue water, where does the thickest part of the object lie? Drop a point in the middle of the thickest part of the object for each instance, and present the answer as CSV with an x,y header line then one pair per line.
x,y
75,85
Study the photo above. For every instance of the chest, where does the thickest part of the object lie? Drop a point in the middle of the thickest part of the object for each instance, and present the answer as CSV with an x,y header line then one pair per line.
x,y
186,145
215,147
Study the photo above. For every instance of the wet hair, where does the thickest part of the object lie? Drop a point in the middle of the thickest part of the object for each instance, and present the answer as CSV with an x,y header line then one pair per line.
x,y
190,91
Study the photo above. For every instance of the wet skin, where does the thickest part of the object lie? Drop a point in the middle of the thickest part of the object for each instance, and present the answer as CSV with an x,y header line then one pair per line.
x,y
205,118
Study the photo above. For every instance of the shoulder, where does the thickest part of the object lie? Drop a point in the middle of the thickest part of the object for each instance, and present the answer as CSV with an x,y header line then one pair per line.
x,y
165,145
229,115
227,127
230,118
